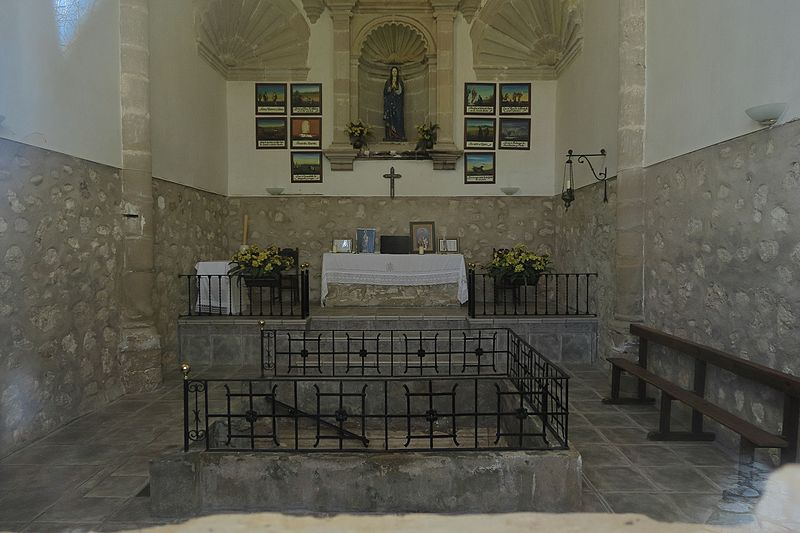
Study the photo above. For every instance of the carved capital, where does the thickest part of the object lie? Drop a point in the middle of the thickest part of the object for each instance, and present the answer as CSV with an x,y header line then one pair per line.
x,y
313,9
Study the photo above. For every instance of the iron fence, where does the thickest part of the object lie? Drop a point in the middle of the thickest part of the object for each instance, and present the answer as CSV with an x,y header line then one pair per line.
x,y
384,391
570,294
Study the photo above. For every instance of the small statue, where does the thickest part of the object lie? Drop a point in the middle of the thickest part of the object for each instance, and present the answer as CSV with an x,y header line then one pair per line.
x,y
393,107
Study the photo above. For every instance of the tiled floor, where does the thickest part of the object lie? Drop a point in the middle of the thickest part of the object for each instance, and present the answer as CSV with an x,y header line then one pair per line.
x,y
93,473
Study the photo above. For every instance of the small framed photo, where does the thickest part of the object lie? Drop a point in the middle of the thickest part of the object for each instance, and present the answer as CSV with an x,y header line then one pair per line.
x,y
515,98
306,132
270,133
342,246
423,235
515,134
479,133
306,99
365,240
270,98
480,98
479,167
448,246
306,167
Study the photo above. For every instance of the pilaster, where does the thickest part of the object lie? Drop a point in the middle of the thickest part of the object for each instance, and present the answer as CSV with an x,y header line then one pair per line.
x,y
444,11
341,12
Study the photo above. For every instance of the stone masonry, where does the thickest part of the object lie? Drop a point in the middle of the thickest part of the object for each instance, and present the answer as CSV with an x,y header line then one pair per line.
x,y
60,296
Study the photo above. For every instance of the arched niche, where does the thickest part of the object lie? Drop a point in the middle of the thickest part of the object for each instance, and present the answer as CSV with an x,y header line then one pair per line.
x,y
383,43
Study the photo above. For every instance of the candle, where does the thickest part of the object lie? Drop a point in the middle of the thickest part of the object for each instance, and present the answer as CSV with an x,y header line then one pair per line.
x,y
244,231
421,250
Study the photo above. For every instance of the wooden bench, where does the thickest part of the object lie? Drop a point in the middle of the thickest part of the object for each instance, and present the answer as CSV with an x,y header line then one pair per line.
x,y
751,436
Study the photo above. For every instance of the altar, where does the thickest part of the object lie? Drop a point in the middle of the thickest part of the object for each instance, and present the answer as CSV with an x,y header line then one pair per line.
x,y
393,280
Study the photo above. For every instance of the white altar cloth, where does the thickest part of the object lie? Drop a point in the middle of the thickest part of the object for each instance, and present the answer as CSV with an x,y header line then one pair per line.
x,y
394,269
214,295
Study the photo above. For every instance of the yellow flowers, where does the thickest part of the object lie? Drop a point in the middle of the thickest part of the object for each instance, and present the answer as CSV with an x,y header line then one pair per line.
x,y
357,129
255,262
518,263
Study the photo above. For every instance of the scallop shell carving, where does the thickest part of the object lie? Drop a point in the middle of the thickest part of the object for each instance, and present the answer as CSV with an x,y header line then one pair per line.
x,y
526,38
394,44
253,39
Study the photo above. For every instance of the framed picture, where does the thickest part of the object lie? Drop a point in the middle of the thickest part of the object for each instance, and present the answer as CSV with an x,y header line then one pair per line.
x,y
306,167
479,133
448,246
342,246
423,235
479,167
365,240
270,98
270,133
306,99
515,134
515,98
306,132
480,98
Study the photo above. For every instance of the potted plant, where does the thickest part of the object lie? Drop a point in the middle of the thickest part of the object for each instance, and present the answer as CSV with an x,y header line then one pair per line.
x,y
358,132
259,267
426,136
518,266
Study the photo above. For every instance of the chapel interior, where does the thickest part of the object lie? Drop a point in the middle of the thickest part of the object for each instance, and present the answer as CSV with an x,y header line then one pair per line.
x,y
521,256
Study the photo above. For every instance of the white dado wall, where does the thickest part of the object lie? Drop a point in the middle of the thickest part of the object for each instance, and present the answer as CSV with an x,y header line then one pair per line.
x,y
251,171
588,94
66,100
708,61
187,103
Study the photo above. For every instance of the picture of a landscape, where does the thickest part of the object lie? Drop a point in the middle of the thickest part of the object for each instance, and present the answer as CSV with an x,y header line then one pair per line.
x,y
515,98
479,167
479,133
270,98
306,167
515,133
270,133
306,98
479,98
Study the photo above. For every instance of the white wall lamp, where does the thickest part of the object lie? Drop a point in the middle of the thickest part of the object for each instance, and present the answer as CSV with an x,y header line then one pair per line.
x,y
766,114
568,185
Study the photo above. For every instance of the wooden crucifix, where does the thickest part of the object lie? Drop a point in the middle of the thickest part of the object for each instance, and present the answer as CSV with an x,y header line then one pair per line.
x,y
392,176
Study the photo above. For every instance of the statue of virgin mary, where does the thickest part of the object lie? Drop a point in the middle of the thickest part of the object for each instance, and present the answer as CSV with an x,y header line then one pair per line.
x,y
393,107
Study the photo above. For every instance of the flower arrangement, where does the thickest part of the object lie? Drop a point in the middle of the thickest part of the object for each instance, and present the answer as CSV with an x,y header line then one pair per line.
x,y
358,132
254,262
426,135
518,264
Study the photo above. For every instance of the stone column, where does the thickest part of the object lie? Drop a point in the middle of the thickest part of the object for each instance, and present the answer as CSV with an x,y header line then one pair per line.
x,y
445,12
629,280
140,344
341,11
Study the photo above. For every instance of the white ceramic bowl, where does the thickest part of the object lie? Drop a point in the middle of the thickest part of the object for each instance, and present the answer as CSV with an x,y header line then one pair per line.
x,y
766,114
275,190
509,190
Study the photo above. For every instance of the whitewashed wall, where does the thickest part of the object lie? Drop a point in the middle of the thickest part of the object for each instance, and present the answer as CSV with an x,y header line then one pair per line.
x,y
708,61
588,94
63,99
187,103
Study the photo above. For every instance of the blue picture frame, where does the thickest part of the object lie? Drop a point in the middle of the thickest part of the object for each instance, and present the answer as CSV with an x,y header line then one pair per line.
x,y
365,240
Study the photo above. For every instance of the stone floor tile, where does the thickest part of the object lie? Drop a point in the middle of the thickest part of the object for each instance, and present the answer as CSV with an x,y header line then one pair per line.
x,y
724,518
697,507
591,502
78,509
585,435
61,527
656,506
648,421
583,394
12,526
578,420
118,487
617,478
611,420
24,505
704,455
137,511
679,479
601,455
138,465
591,406
624,435
651,455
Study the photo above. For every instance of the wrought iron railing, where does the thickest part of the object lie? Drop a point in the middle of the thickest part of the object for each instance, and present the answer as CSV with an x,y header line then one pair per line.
x,y
569,294
286,295
379,391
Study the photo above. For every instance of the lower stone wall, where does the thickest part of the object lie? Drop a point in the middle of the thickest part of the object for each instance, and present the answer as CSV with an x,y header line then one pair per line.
x,y
311,223
586,242
722,259
60,271
190,227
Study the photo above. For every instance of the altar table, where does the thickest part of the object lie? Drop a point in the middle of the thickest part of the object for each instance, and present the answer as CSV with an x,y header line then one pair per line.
x,y
395,269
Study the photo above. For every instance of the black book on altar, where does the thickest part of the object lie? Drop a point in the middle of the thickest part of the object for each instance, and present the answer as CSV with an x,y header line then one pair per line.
x,y
395,244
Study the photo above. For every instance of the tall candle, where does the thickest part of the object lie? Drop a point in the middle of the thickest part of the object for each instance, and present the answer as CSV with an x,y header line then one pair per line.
x,y
244,231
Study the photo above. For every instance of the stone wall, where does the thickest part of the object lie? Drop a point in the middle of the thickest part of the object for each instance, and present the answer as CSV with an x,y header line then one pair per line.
x,y
585,242
722,259
311,223
60,242
189,227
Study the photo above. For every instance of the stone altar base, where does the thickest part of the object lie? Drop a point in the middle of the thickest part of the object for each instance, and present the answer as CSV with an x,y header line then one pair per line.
x,y
351,295
427,482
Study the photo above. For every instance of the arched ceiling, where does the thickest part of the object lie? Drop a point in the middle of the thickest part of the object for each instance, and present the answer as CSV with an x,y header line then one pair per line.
x,y
253,39
526,39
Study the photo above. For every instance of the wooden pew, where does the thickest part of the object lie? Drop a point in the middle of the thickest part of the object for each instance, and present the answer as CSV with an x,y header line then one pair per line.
x,y
751,436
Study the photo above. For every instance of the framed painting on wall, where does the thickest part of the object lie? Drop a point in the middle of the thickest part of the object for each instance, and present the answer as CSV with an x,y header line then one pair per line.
x,y
479,167
423,236
515,98
270,133
306,132
306,99
515,134
306,167
479,133
480,98
270,98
